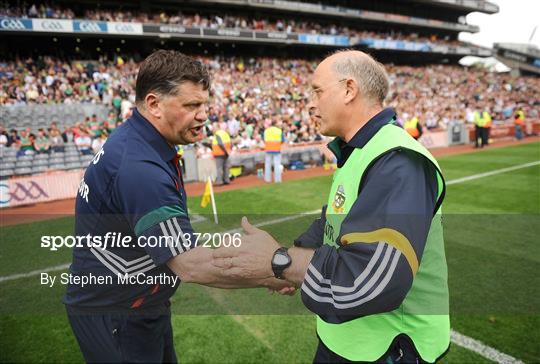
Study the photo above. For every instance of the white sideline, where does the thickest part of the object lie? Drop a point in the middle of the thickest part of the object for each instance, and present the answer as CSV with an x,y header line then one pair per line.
x,y
34,272
457,338
482,349
491,173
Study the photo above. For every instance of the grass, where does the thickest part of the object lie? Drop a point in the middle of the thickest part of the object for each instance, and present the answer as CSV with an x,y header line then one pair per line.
x,y
491,232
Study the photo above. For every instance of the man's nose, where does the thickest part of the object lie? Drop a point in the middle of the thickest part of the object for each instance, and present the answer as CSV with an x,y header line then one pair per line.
x,y
202,115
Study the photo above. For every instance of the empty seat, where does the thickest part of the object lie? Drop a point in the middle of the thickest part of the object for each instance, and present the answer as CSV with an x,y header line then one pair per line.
x,y
73,165
39,169
41,162
9,152
41,156
72,158
5,173
7,165
57,166
9,159
26,157
56,161
21,164
23,171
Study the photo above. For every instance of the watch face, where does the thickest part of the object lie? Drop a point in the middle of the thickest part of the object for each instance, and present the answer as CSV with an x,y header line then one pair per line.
x,y
280,259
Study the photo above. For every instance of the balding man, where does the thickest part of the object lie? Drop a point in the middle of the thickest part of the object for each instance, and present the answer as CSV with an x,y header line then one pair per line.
x,y
373,266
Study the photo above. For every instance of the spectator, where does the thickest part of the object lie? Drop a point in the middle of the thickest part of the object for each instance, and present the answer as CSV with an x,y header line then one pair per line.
x,y
41,143
97,143
233,125
26,143
95,126
110,123
245,142
125,109
13,138
56,140
3,137
68,135
84,143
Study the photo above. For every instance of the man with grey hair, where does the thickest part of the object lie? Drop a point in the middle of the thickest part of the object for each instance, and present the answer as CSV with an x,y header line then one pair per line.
x,y
372,267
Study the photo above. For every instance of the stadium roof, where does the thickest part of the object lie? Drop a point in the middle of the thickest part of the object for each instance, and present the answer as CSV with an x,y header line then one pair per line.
x,y
471,5
519,56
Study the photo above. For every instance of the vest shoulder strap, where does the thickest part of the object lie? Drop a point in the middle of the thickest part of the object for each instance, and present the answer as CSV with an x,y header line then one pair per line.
x,y
391,137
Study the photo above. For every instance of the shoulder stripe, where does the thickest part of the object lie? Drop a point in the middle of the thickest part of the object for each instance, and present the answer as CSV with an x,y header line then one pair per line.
x,y
390,236
156,216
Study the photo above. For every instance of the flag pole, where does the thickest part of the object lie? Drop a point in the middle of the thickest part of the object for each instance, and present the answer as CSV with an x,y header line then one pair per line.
x,y
213,201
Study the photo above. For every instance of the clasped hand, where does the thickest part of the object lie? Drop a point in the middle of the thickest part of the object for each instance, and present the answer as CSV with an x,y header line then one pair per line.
x,y
252,259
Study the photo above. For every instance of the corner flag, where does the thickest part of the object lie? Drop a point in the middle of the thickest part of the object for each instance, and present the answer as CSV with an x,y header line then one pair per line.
x,y
208,196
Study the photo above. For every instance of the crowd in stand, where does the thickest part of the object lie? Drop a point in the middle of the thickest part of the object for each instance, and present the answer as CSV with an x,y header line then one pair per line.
x,y
247,95
217,21
88,136
440,94
51,80
252,91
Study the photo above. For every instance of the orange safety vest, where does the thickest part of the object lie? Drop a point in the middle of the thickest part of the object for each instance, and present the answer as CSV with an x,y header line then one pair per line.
x,y
217,150
273,139
411,126
487,119
520,120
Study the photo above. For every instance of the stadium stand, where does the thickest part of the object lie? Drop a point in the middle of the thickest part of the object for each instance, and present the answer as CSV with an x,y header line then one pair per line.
x,y
66,99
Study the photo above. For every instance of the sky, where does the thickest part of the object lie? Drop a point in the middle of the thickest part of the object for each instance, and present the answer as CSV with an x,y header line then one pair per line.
x,y
513,23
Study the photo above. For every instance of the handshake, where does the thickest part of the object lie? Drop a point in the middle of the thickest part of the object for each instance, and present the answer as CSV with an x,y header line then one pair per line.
x,y
251,262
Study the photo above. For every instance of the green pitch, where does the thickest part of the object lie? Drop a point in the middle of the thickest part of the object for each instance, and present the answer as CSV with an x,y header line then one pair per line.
x,y
491,233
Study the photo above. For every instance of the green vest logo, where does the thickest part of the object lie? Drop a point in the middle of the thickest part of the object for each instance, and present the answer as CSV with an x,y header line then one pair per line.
x,y
339,200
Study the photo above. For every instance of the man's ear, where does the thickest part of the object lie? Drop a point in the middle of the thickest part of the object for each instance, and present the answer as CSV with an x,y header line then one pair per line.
x,y
351,91
151,104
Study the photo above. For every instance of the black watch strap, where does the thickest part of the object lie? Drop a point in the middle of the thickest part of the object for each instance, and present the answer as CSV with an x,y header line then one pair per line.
x,y
281,260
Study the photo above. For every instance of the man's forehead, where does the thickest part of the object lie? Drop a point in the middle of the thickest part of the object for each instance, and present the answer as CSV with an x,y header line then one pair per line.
x,y
322,72
191,91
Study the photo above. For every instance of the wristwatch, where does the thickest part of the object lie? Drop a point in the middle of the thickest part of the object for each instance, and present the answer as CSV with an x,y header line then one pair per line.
x,y
280,261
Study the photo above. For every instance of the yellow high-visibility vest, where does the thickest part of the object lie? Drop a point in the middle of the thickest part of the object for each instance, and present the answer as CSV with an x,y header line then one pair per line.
x,y
411,126
486,118
273,139
217,151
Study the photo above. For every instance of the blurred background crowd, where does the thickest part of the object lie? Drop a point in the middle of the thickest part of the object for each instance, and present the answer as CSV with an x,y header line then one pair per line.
x,y
249,93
